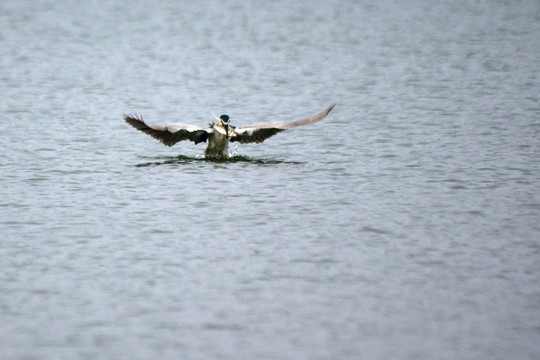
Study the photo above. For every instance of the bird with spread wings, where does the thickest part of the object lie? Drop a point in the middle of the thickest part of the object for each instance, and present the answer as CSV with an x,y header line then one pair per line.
x,y
220,134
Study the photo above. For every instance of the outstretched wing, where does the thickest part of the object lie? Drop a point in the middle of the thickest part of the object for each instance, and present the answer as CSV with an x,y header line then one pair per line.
x,y
259,132
169,134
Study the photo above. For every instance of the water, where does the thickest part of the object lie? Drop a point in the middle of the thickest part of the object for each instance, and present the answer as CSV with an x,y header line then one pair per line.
x,y
404,226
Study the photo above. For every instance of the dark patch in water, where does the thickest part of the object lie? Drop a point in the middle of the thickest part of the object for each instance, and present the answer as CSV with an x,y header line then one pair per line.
x,y
181,159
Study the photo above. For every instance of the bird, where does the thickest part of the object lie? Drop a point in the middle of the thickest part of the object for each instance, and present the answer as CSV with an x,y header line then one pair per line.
x,y
218,134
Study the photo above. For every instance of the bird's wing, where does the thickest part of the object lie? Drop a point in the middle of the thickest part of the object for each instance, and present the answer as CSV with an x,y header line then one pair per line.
x,y
169,134
260,132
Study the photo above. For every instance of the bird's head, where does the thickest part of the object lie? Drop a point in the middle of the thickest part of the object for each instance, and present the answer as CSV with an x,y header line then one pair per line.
x,y
224,120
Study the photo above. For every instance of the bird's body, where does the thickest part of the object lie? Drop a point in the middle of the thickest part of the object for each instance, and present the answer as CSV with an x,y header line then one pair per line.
x,y
218,143
218,135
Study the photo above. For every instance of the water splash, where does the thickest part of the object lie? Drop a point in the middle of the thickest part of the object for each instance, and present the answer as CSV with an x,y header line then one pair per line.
x,y
235,151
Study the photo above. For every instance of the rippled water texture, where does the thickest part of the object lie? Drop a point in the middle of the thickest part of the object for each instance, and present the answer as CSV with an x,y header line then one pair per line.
x,y
403,226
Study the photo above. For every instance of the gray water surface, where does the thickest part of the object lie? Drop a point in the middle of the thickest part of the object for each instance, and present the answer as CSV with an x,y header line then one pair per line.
x,y
403,226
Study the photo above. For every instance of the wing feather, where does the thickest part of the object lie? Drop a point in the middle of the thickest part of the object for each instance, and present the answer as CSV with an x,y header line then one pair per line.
x,y
169,134
259,132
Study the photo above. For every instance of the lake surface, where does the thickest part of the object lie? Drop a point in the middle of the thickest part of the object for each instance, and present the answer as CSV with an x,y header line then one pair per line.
x,y
406,225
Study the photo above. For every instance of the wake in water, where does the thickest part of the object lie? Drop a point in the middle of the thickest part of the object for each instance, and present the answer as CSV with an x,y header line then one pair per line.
x,y
233,158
